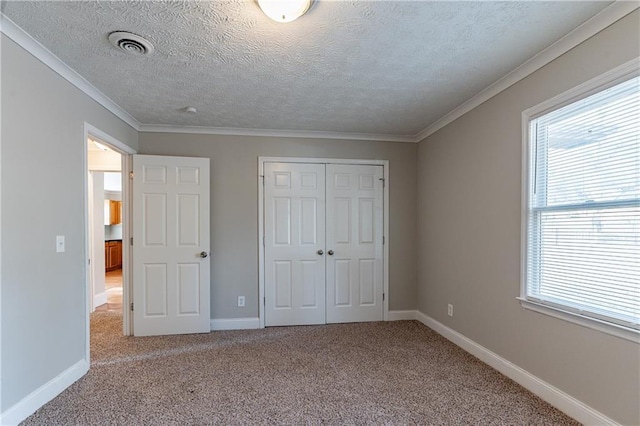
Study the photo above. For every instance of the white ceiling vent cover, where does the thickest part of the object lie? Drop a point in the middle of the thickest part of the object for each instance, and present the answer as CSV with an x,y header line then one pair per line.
x,y
131,43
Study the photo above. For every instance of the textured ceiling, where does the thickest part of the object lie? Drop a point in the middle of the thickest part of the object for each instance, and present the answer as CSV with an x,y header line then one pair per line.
x,y
364,67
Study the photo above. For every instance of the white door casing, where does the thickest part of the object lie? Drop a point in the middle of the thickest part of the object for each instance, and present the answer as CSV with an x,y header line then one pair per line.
x,y
294,207
171,279
354,243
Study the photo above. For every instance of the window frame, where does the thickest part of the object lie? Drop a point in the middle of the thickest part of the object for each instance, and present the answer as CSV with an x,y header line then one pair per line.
x,y
609,79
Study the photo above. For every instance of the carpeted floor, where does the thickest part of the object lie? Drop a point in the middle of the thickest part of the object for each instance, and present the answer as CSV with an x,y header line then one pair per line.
x,y
381,373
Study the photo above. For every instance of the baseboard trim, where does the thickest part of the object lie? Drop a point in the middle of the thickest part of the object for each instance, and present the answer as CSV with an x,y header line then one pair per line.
x,y
235,324
402,315
554,396
45,393
100,299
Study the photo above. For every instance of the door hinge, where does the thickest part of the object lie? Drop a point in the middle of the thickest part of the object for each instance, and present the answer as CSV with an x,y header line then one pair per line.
x,y
383,297
383,181
264,301
131,241
263,242
89,261
131,306
130,175
383,240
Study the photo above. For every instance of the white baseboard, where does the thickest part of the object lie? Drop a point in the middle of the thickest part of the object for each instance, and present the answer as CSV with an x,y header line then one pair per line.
x,y
554,396
100,299
235,324
402,315
45,393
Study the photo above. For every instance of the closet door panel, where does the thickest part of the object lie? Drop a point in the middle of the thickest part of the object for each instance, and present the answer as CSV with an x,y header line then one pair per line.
x,y
354,243
294,205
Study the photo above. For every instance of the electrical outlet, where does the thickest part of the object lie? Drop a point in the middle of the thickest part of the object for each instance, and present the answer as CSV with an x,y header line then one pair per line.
x,y
240,301
450,310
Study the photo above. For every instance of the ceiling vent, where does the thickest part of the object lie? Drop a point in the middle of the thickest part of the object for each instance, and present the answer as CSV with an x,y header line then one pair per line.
x,y
131,43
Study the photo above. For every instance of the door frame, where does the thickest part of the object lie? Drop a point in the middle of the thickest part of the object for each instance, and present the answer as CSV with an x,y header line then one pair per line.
x,y
126,152
261,224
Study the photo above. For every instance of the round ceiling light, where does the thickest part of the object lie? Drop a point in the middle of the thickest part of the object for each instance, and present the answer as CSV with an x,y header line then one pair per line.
x,y
284,10
131,43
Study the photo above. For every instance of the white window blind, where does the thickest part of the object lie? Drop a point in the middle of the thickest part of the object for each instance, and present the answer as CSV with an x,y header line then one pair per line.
x,y
583,214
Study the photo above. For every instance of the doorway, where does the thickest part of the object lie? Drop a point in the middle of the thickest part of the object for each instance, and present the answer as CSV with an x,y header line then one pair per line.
x,y
323,225
107,191
104,166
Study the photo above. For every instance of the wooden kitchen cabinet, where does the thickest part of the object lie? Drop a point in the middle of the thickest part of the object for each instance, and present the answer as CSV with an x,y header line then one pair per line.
x,y
113,255
112,212
115,212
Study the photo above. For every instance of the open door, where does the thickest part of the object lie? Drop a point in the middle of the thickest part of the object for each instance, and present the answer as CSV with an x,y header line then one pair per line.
x,y
171,266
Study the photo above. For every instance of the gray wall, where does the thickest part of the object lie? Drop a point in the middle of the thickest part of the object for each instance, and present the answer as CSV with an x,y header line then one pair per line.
x,y
469,237
234,207
43,305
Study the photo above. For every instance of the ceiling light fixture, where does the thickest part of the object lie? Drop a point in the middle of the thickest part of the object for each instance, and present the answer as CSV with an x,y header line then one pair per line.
x,y
284,10
100,146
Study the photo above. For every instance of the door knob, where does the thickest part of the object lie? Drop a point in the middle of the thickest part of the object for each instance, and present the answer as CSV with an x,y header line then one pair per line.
x,y
330,252
320,252
203,254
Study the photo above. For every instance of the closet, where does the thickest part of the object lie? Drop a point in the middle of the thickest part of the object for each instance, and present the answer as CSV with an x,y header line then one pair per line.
x,y
323,243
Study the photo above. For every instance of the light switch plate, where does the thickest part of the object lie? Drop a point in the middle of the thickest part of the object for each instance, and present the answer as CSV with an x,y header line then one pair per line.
x,y
60,243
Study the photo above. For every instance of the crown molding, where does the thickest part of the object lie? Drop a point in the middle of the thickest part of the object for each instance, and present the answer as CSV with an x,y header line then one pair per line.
x,y
589,28
586,30
233,131
44,55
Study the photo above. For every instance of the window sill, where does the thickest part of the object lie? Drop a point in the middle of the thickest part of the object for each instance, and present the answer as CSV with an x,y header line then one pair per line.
x,y
605,327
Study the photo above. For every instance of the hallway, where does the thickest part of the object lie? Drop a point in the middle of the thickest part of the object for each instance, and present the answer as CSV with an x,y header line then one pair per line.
x,y
113,286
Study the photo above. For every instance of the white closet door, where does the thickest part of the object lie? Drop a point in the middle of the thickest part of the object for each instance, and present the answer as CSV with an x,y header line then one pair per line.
x,y
354,243
294,243
171,265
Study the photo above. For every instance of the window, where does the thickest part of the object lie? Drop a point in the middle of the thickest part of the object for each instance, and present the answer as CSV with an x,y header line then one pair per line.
x,y
582,212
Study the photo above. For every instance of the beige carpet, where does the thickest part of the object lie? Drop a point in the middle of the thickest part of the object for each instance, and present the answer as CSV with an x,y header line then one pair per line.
x,y
371,373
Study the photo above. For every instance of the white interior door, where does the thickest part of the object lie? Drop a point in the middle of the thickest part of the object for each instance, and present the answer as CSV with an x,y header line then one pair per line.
x,y
354,243
171,266
294,217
